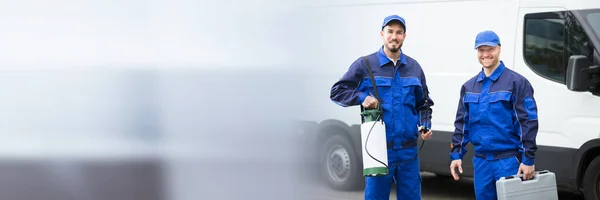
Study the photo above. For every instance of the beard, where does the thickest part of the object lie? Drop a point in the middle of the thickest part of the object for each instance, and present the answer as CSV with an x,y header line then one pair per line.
x,y
393,48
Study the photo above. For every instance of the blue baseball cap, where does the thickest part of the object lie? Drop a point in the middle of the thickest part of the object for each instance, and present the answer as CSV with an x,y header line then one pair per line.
x,y
391,18
488,38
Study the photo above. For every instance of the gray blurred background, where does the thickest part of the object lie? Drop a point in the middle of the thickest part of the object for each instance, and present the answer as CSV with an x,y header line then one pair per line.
x,y
148,100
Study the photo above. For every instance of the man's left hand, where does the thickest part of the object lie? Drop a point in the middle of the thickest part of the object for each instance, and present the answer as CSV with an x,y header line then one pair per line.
x,y
527,171
426,136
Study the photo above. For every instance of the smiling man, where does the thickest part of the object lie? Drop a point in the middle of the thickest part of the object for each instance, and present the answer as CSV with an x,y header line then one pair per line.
x,y
405,103
497,113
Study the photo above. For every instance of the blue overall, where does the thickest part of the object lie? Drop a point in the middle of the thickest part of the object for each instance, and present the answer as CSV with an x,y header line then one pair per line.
x,y
403,90
498,115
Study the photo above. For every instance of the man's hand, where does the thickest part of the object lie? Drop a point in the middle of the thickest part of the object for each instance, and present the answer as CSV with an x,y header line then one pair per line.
x,y
370,102
456,164
527,171
426,136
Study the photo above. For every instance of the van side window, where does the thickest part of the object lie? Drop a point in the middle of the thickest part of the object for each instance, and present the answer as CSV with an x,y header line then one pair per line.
x,y
550,39
577,41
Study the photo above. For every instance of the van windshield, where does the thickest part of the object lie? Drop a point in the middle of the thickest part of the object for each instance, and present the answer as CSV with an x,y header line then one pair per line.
x,y
593,19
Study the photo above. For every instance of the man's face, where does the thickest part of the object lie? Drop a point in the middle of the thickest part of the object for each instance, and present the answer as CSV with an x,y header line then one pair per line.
x,y
393,36
488,56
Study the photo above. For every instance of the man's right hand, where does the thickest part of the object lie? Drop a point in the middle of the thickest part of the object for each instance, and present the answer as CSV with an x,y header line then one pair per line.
x,y
370,102
456,164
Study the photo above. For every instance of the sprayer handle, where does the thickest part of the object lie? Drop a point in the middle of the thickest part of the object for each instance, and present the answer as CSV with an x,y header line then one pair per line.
x,y
362,108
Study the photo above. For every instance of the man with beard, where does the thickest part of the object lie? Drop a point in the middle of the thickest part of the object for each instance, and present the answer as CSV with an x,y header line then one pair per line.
x,y
498,115
405,102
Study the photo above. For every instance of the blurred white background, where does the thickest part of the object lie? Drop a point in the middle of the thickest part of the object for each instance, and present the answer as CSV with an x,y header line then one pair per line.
x,y
148,99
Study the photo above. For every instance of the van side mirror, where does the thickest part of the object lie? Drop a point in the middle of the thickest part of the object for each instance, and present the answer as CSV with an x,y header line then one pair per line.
x,y
578,77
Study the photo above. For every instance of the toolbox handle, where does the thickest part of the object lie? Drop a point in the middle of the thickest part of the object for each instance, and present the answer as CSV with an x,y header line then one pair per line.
x,y
521,175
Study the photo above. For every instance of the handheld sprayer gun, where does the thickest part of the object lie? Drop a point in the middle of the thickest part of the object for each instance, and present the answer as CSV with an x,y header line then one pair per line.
x,y
423,128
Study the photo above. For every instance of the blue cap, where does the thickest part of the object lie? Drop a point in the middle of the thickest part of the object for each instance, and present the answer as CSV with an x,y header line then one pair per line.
x,y
488,38
390,18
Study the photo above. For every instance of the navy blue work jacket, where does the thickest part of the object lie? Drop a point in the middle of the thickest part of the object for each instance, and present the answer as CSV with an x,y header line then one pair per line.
x,y
402,88
498,115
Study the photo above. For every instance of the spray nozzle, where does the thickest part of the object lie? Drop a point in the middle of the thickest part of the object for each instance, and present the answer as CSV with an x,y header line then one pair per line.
x,y
423,129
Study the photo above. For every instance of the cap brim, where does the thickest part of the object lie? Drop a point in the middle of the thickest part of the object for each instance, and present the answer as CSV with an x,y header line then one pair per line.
x,y
491,44
394,20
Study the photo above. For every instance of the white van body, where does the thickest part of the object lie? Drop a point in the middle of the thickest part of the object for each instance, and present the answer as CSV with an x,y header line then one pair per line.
x,y
440,35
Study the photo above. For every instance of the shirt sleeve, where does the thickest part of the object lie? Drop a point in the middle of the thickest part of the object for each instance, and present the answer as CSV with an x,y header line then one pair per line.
x,y
343,92
526,111
424,103
460,137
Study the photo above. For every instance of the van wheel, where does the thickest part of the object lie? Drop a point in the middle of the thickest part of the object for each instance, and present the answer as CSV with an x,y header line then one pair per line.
x,y
340,164
591,180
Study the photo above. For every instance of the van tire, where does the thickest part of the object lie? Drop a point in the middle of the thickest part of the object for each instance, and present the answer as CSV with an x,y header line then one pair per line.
x,y
339,164
591,180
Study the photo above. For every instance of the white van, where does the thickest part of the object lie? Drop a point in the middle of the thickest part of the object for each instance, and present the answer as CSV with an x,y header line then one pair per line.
x,y
555,44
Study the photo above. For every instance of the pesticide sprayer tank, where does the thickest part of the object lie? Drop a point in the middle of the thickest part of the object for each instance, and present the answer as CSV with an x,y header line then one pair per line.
x,y
374,144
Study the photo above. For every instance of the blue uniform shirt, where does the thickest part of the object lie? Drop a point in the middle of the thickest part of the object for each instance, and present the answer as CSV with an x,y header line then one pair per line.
x,y
402,88
496,114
